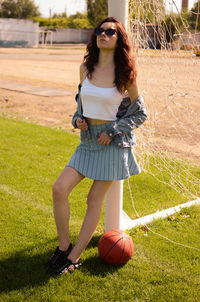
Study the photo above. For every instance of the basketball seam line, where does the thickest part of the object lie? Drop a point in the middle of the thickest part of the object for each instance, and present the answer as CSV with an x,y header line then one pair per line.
x,y
112,247
122,252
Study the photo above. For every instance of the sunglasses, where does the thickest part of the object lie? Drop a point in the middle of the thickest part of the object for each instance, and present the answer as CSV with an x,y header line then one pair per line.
x,y
109,32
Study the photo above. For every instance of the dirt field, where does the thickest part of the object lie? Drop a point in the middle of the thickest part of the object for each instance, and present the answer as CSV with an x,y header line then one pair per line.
x,y
170,85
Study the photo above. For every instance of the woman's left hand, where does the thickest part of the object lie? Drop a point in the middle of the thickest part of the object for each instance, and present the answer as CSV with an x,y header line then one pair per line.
x,y
103,138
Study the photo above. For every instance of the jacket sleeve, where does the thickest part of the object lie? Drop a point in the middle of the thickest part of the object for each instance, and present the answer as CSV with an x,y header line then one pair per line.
x,y
134,117
79,111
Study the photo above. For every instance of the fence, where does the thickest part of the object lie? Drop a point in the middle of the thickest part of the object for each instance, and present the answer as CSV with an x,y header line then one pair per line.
x,y
18,32
64,35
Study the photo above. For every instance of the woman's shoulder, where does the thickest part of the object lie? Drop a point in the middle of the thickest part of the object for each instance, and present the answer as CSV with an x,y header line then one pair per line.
x,y
83,67
83,72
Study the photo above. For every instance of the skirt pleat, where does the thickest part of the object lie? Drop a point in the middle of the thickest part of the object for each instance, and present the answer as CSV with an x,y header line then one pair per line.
x,y
102,162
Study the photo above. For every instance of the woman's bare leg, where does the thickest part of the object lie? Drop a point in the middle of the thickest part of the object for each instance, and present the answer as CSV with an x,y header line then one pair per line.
x,y
94,206
63,186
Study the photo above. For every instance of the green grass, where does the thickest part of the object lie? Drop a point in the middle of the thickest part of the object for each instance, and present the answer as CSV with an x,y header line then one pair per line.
x,y
31,158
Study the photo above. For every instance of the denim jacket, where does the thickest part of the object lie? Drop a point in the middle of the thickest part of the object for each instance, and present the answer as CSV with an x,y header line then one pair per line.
x,y
129,117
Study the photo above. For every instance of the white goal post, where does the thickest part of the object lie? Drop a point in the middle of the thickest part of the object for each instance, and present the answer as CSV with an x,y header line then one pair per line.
x,y
115,217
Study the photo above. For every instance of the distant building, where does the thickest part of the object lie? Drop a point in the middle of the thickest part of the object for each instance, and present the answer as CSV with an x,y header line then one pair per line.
x,y
148,35
64,35
18,32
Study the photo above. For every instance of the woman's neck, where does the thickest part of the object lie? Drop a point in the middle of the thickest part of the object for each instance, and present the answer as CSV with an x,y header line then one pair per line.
x,y
106,58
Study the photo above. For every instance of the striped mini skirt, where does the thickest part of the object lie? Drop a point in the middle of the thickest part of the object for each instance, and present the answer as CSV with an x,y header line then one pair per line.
x,y
102,162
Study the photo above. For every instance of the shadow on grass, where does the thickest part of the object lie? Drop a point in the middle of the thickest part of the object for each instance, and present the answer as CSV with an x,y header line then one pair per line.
x,y
22,270
95,265
94,242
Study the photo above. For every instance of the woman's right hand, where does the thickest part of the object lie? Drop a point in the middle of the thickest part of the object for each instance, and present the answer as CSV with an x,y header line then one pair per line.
x,y
81,124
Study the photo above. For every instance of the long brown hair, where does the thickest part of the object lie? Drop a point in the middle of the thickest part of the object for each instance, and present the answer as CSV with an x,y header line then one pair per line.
x,y
125,66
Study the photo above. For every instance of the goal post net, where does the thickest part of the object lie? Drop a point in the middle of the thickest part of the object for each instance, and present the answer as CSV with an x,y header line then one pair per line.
x,y
167,44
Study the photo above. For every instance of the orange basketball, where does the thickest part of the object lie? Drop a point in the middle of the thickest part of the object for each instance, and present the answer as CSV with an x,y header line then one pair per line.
x,y
115,247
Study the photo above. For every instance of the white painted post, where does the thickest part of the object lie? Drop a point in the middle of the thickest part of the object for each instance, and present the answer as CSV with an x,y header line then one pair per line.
x,y
159,215
119,10
113,206
115,217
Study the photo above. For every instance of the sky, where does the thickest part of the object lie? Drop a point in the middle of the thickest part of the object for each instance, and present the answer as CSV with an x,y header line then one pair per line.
x,y
73,6
60,6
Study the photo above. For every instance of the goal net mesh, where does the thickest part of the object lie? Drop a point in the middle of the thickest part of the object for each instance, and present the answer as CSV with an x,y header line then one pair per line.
x,y
169,79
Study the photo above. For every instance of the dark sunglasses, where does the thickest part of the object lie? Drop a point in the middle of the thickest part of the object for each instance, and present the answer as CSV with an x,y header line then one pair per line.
x,y
109,32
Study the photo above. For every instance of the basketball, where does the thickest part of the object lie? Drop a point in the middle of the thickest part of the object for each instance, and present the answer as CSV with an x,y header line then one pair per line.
x,y
115,247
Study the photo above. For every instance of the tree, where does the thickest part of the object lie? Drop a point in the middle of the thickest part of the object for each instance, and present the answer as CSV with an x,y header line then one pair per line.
x,y
21,9
149,11
194,17
175,24
97,11
61,15
78,21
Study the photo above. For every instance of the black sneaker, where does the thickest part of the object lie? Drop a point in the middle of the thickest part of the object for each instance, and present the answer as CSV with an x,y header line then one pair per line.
x,y
66,266
58,257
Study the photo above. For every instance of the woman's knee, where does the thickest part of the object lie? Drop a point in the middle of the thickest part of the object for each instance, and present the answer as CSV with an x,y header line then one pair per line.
x,y
66,182
60,190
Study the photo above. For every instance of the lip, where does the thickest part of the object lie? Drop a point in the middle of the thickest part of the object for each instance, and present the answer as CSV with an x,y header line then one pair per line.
x,y
102,39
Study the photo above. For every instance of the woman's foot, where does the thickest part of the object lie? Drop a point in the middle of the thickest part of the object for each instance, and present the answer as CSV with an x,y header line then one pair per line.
x,y
68,267
58,258
64,265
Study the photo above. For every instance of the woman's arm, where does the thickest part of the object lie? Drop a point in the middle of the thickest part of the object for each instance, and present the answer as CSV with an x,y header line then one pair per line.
x,y
82,72
78,121
134,116
133,91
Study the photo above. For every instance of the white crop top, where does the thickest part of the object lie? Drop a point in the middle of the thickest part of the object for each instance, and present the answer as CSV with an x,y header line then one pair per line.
x,y
98,102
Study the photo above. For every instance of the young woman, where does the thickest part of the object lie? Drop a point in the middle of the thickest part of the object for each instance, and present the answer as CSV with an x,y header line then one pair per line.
x,y
109,107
